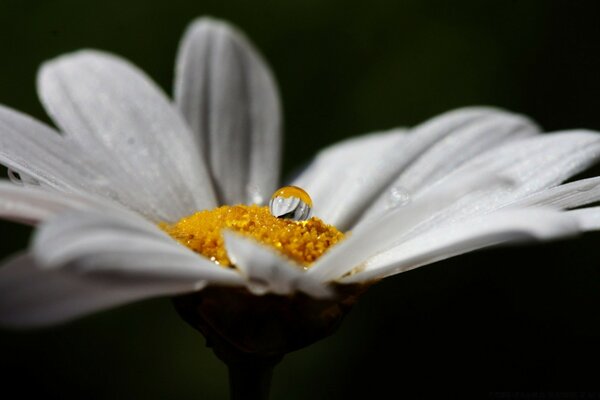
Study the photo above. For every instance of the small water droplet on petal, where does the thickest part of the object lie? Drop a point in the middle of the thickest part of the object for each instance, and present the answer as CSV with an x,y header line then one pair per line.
x,y
254,195
398,196
20,178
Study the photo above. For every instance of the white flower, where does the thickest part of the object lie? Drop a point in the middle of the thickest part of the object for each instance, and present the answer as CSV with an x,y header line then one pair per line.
x,y
127,158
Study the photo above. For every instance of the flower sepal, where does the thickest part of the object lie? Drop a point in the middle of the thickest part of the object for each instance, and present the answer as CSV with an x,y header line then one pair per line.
x,y
240,324
251,333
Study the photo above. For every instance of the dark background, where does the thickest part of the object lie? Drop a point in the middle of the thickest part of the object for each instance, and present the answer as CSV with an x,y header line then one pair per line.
x,y
519,319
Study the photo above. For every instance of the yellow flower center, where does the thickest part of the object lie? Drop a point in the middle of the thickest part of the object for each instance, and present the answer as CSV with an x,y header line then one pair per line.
x,y
302,241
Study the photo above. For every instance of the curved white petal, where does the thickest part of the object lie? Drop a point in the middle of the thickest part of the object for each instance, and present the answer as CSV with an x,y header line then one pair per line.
x,y
538,163
229,97
269,272
532,164
451,152
42,155
31,296
346,178
342,177
114,112
568,195
33,205
92,242
505,226
30,147
380,234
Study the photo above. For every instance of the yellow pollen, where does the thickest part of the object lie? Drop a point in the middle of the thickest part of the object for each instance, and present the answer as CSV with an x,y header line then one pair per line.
x,y
293,191
302,241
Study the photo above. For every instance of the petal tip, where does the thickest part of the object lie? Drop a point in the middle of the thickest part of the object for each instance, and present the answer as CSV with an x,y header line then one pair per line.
x,y
208,23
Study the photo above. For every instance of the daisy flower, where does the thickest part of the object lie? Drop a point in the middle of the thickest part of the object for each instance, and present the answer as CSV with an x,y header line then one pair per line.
x,y
137,196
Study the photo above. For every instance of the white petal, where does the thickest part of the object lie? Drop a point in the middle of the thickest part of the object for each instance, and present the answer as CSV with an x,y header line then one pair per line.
x,y
540,162
268,271
91,242
380,234
505,226
28,146
32,205
53,162
30,296
37,151
340,177
229,97
532,165
588,218
569,195
451,152
114,112
345,179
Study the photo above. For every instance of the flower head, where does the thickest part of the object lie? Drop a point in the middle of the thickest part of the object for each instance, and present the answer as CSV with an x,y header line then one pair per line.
x,y
138,196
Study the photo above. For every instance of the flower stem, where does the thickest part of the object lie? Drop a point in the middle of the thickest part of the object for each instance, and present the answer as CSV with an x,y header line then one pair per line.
x,y
251,334
250,379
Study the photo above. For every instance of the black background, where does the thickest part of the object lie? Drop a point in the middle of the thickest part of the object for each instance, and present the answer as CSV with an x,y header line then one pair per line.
x,y
502,320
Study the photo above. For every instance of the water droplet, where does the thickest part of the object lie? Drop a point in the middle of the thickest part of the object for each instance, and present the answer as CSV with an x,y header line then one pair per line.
x,y
398,196
14,177
253,194
21,179
258,286
100,181
587,187
291,202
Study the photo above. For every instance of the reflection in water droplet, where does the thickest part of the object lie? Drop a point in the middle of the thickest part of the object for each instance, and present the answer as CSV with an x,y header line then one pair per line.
x,y
398,197
291,202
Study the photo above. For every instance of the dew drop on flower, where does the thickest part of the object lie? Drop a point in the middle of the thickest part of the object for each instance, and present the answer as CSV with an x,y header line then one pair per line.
x,y
291,202
254,194
20,178
398,196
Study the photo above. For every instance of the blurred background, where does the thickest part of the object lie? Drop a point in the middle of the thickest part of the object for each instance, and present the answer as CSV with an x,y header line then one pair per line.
x,y
517,319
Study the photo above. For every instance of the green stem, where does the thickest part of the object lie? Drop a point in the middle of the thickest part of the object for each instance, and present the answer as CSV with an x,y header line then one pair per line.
x,y
250,379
